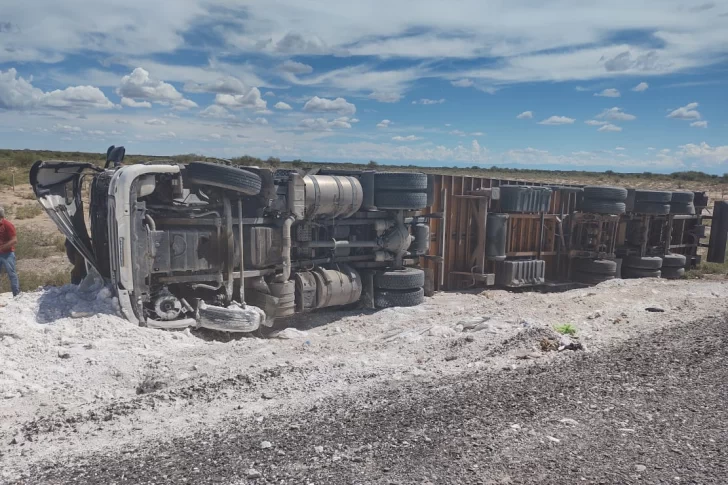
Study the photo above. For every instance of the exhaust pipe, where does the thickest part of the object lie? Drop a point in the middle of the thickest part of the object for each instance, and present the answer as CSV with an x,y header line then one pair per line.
x,y
286,251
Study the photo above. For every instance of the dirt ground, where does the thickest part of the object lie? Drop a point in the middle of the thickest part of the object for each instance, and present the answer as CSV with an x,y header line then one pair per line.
x,y
467,388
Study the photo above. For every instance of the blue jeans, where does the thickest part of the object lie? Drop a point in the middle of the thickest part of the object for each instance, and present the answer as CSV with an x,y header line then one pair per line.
x,y
7,263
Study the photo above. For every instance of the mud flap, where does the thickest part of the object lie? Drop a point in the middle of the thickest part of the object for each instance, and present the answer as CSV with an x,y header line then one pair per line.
x,y
230,319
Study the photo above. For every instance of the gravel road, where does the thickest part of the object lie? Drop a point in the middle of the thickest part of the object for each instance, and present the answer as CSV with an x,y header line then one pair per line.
x,y
650,409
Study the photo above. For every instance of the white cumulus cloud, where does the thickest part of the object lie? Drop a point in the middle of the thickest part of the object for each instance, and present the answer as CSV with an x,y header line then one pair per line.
x,y
338,105
155,122
321,124
596,123
708,154
641,87
140,86
615,114
223,85
282,106
135,104
557,120
215,111
406,138
699,124
384,124
526,115
17,93
462,83
687,112
609,93
251,100
610,128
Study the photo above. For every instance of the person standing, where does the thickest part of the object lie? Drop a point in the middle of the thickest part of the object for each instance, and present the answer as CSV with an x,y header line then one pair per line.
x,y
8,240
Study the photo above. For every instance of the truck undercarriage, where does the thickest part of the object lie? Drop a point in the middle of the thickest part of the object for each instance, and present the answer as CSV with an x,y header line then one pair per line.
x,y
213,245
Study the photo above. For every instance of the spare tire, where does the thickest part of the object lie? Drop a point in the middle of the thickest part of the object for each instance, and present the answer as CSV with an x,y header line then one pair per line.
x,y
652,196
673,273
400,181
685,208
674,261
400,200
683,196
653,208
399,279
646,262
594,206
605,192
223,176
640,273
595,266
395,298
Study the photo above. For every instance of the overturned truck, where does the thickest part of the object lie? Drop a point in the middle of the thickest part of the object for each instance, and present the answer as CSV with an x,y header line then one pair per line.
x,y
214,245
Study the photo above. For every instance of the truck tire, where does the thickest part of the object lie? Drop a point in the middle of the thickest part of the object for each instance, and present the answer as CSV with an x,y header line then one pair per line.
x,y
685,208
286,293
653,208
640,273
673,273
399,279
604,192
595,266
674,261
400,181
401,298
224,177
646,262
590,278
683,196
400,200
594,206
660,196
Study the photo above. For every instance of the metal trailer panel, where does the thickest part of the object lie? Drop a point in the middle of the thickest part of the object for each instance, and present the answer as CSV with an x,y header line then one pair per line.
x,y
458,205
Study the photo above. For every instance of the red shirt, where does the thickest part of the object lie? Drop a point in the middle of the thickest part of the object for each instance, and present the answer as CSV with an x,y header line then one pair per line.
x,y
7,233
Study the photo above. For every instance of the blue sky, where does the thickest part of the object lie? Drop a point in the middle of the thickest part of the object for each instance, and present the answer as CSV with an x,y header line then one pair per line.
x,y
623,85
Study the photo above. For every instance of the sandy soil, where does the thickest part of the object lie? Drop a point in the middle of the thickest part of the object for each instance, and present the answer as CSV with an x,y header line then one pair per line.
x,y
77,380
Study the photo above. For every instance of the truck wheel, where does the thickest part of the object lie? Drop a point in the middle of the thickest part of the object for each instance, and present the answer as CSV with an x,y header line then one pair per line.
x,y
225,177
400,200
286,293
674,261
603,192
660,196
654,208
395,298
683,196
590,278
593,206
399,279
673,273
595,266
640,273
686,208
646,262
401,181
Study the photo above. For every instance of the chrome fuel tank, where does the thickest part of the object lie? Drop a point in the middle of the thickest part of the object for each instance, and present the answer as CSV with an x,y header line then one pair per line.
x,y
332,195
